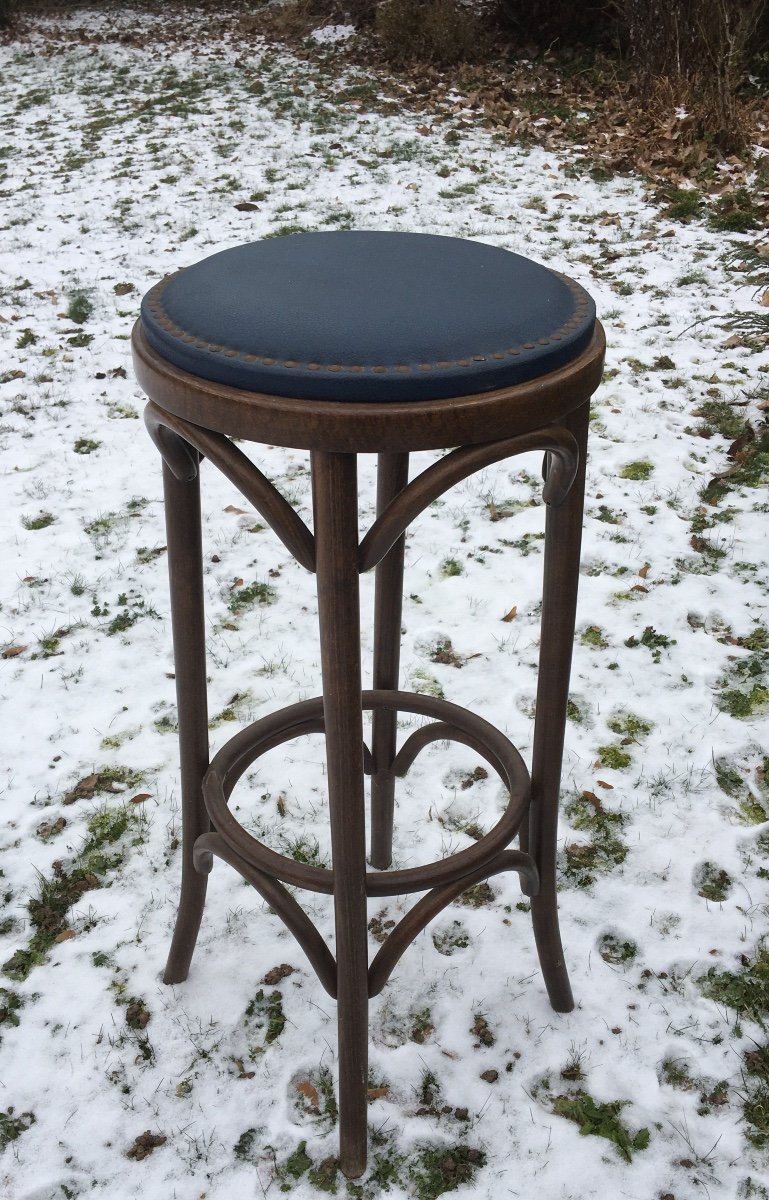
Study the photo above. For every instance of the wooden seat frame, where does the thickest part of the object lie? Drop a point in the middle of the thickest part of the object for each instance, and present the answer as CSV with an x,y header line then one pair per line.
x,y
190,418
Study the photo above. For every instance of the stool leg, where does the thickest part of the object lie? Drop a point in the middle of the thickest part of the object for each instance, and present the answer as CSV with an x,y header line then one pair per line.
x,y
185,566
335,504
392,477
563,537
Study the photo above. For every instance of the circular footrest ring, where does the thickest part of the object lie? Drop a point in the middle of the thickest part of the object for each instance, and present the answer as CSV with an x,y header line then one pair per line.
x,y
454,723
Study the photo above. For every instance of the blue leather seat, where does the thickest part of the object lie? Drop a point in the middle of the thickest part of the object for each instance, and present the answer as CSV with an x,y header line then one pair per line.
x,y
368,316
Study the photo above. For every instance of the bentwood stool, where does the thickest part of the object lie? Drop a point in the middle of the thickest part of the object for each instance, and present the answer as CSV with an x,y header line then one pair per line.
x,y
362,342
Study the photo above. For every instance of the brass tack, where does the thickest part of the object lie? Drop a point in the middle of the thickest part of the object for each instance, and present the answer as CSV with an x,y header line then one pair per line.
x,y
479,358
231,353
425,366
379,370
313,366
250,358
544,341
556,337
529,346
514,350
356,369
186,337
269,362
333,367
290,362
463,362
444,366
402,370
497,355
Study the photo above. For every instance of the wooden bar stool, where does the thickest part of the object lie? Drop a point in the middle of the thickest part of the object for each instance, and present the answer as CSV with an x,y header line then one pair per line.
x,y
347,343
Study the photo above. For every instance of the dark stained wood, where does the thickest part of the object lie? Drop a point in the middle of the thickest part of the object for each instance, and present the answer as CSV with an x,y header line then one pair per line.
x,y
371,428
189,417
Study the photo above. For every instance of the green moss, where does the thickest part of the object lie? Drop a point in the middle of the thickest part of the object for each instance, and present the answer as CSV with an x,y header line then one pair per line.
x,y
324,1176
629,725
10,1003
594,636
744,704
720,417
601,1120
614,758
642,469
451,567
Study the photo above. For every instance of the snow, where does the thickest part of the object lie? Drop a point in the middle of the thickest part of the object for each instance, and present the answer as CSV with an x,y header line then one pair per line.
x,y
123,166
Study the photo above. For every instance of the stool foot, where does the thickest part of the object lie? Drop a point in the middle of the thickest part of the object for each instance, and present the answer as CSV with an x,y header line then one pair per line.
x,y
547,935
185,565
335,509
392,477
188,918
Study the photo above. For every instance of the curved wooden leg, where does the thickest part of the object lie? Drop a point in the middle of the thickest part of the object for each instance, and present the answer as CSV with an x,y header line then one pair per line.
x,y
335,504
185,566
563,539
392,477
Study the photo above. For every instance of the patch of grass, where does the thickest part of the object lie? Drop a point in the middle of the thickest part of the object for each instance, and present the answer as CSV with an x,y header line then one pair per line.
x,y
252,594
477,896
108,779
425,683
614,758
434,1170
455,937
653,641
444,652
85,446
750,468
712,882
681,204
26,338
642,469
604,851
59,892
594,636
755,1111
629,725
746,990
10,1003
41,521
451,567
616,950
12,1126
80,305
675,1072
719,417
601,1120
737,212
267,1011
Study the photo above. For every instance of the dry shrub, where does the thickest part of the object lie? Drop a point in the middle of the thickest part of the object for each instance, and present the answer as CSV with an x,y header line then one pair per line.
x,y
547,23
442,32
700,47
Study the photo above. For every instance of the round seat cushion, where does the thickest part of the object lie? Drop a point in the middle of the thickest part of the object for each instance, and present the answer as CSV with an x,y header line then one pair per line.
x,y
368,316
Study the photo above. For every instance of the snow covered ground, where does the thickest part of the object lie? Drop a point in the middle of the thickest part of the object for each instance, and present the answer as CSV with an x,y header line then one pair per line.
x,y
123,164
